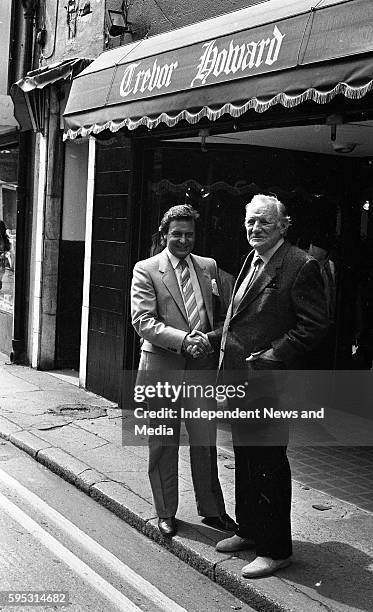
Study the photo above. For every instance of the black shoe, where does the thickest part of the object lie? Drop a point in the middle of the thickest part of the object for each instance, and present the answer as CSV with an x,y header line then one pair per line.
x,y
167,526
223,522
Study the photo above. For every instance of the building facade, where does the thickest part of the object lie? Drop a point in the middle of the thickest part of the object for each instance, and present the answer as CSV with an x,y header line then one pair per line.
x,y
266,98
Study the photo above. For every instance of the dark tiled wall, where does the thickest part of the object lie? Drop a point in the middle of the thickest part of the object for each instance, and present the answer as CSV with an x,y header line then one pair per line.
x,y
110,267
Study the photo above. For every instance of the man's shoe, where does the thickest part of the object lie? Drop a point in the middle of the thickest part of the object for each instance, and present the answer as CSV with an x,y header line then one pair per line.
x,y
234,544
167,526
223,522
264,566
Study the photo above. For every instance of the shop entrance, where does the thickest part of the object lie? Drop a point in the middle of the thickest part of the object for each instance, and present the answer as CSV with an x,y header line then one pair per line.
x,y
328,196
8,227
71,260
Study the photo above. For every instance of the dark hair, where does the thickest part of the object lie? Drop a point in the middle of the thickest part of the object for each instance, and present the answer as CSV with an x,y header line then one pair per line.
x,y
4,236
179,212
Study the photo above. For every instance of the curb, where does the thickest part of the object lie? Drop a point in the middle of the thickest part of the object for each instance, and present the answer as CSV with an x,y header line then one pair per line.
x,y
139,513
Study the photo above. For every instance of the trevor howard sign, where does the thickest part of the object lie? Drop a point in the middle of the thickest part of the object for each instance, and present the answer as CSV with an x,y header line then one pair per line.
x,y
235,56
217,60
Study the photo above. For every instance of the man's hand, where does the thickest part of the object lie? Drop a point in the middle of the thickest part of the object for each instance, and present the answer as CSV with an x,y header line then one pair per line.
x,y
196,344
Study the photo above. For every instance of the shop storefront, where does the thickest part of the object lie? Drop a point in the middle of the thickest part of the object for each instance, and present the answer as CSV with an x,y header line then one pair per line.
x,y
9,150
8,231
53,234
273,98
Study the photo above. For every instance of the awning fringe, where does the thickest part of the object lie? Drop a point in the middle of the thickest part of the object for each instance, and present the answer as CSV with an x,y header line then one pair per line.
x,y
312,94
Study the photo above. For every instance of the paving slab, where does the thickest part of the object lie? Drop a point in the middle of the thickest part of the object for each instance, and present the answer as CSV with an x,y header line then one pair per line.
x,y
272,594
108,429
71,438
25,418
49,398
109,456
11,384
45,381
133,481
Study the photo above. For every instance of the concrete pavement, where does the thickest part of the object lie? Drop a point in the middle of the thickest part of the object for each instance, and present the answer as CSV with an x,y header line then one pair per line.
x,y
80,436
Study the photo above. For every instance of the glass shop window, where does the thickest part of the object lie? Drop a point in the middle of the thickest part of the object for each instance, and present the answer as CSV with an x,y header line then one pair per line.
x,y
8,216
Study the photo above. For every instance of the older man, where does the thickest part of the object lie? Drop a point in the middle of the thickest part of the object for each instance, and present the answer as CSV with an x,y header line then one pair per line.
x,y
174,300
277,314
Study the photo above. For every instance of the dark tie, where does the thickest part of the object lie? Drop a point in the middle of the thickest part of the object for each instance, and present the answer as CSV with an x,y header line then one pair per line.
x,y
189,297
248,280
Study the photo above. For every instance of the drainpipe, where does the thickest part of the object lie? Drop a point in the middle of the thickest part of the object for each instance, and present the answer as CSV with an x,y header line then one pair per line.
x,y
24,27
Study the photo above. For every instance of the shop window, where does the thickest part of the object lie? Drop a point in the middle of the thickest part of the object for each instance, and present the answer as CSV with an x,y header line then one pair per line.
x,y
219,182
8,216
327,209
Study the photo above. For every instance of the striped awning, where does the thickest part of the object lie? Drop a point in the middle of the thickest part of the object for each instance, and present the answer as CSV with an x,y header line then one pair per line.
x,y
276,52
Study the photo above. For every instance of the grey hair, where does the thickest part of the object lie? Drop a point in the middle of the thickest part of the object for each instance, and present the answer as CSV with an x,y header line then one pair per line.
x,y
283,217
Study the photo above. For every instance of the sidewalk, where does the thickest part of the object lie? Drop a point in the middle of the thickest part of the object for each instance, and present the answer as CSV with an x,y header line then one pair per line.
x,y
78,435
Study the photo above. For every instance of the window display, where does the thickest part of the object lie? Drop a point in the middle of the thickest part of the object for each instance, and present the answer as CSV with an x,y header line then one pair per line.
x,y
8,216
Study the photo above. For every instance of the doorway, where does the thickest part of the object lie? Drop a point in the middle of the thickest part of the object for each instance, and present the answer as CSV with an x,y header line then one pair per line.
x,y
327,208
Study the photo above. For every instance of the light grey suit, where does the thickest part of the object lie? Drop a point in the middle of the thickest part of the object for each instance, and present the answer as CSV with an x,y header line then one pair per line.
x,y
160,319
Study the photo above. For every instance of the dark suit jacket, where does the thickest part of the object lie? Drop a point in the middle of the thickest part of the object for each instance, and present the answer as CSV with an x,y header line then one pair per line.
x,y
284,309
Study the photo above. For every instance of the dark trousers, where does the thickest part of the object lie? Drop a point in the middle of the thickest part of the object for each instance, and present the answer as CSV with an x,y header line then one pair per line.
x,y
164,449
163,469
263,498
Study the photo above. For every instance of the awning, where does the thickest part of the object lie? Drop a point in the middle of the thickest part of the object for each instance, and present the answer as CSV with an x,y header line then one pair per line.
x,y
276,52
28,93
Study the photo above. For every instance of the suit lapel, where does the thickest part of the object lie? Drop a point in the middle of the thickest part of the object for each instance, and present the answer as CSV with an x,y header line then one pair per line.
x,y
242,273
169,279
265,278
230,312
204,280
241,276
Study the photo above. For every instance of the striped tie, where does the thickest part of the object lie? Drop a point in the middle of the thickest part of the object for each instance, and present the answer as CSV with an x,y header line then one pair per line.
x,y
189,297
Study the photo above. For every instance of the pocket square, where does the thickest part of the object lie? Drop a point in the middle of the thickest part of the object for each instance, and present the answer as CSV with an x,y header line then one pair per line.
x,y
214,287
272,284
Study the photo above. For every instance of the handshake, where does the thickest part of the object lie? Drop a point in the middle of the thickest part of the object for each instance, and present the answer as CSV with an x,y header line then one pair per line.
x,y
196,344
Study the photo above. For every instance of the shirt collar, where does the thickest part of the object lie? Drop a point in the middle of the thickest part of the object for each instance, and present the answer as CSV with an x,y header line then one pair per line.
x,y
175,260
270,252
